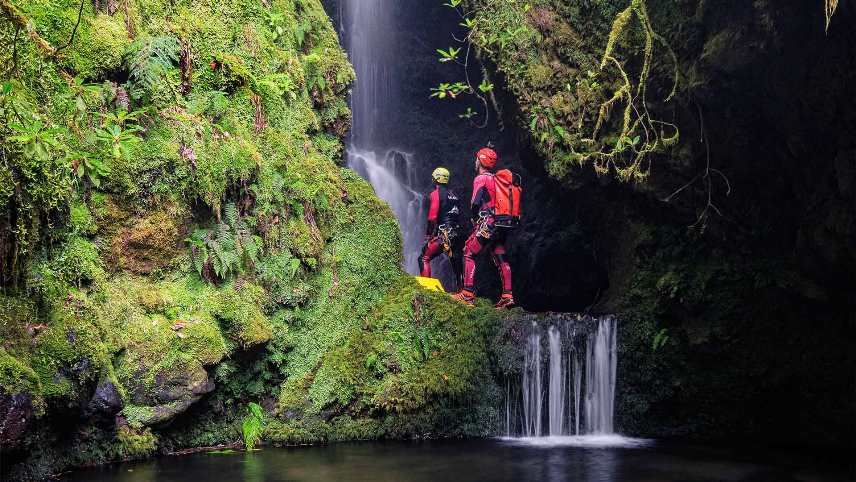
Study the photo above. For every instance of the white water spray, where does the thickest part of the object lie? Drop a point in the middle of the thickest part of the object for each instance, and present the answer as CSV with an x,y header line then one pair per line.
x,y
390,174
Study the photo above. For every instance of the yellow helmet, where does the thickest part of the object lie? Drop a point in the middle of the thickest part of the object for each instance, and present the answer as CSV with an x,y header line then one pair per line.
x,y
441,175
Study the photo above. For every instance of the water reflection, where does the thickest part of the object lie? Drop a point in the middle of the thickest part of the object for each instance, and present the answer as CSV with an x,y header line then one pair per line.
x,y
478,460
253,467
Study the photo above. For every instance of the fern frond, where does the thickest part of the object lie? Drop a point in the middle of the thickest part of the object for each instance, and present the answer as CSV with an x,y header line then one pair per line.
x,y
147,58
231,214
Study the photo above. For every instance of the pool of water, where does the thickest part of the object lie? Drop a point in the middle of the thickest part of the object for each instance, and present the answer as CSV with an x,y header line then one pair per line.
x,y
562,458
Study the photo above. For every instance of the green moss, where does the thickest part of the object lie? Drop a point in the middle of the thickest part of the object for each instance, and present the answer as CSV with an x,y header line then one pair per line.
x,y
239,309
15,377
319,316
136,415
106,40
75,265
81,220
135,444
69,352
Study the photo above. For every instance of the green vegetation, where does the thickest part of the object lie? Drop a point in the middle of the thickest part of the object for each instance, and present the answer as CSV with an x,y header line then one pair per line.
x,y
175,230
584,102
252,425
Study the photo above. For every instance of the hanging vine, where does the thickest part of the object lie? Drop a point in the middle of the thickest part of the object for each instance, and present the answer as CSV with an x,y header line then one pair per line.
x,y
640,134
595,112
831,5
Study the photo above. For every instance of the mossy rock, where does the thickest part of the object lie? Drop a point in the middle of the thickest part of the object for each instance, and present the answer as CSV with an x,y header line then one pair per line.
x,y
106,38
150,242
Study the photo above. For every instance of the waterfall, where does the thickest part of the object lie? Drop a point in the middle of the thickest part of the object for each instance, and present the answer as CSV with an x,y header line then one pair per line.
x,y
368,33
600,377
557,383
390,174
532,395
578,374
581,369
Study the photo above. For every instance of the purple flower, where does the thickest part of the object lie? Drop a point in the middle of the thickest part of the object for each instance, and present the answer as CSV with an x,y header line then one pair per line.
x,y
187,153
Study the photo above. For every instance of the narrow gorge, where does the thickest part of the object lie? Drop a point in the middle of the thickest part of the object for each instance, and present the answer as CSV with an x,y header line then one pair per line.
x,y
211,215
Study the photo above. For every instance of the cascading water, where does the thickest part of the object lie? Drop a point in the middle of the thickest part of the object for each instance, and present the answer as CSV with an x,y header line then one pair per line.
x,y
369,40
532,395
557,383
600,377
581,369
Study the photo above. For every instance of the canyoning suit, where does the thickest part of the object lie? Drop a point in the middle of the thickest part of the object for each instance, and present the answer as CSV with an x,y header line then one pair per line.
x,y
443,231
485,234
442,234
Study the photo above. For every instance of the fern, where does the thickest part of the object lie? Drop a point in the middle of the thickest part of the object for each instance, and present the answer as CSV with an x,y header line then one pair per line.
x,y
304,28
231,215
229,248
252,425
198,250
147,58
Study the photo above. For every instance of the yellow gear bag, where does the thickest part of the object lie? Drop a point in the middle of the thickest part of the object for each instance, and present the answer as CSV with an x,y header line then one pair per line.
x,y
430,284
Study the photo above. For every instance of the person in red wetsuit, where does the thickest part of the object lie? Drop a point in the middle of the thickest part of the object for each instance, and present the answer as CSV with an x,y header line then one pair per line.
x,y
485,235
443,227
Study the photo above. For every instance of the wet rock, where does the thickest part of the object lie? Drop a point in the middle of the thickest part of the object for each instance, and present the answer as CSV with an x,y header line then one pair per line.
x,y
106,400
171,396
16,413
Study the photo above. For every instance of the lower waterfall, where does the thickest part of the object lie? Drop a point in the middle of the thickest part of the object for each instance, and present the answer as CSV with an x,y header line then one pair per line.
x,y
577,357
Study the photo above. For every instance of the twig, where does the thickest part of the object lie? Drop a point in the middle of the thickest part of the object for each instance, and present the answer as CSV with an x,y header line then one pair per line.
x,y
73,31
704,175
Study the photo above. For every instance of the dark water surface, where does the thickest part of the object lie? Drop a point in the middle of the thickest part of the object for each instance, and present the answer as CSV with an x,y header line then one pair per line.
x,y
464,461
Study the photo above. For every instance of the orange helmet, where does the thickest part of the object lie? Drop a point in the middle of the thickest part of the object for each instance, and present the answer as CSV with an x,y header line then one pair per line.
x,y
487,158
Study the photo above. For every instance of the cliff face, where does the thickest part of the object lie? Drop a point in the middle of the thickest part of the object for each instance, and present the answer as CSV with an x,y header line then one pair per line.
x,y
178,239
729,249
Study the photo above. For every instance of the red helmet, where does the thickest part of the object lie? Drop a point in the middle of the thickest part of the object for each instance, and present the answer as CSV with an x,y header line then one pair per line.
x,y
487,158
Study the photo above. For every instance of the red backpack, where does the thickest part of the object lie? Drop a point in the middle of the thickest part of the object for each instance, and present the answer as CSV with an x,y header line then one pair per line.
x,y
507,202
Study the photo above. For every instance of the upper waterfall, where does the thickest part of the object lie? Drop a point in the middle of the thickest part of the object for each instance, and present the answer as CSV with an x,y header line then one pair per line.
x,y
369,36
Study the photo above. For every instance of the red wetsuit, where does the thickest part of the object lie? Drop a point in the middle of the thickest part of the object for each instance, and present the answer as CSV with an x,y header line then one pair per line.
x,y
485,234
443,211
433,243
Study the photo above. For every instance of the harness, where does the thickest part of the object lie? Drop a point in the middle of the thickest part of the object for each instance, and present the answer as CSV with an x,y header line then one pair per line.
x,y
483,227
446,233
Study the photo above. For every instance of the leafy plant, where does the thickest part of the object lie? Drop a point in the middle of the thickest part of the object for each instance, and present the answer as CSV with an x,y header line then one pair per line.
x,y
226,249
467,114
303,29
275,21
147,58
482,91
450,90
315,73
660,339
485,86
449,55
112,142
36,139
87,166
252,425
